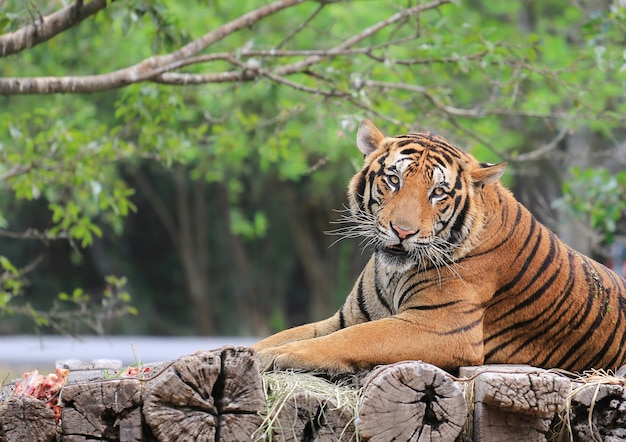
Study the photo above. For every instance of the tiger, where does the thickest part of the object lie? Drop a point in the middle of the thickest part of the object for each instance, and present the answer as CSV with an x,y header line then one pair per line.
x,y
461,274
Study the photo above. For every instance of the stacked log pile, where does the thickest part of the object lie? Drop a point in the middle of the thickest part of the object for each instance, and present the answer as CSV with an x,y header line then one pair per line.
x,y
221,396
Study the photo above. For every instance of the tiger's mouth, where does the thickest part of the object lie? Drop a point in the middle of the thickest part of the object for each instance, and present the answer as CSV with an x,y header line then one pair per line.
x,y
396,250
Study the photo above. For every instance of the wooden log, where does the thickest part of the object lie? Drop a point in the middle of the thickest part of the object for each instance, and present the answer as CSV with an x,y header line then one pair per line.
x,y
26,419
81,371
217,396
103,410
515,402
208,396
598,411
240,401
411,401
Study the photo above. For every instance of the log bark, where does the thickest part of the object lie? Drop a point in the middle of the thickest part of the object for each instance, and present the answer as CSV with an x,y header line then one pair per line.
x,y
411,401
515,402
26,419
207,396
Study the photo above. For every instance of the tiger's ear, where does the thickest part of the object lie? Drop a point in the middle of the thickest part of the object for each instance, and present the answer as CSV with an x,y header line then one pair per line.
x,y
368,137
487,173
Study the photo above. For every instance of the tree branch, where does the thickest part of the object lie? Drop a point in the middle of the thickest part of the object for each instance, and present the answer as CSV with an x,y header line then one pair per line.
x,y
251,72
477,112
543,151
158,68
32,233
141,71
16,170
47,27
301,26
415,10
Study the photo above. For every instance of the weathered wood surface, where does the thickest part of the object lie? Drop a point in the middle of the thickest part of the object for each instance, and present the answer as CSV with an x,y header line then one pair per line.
x,y
26,419
106,410
517,403
219,396
207,396
411,401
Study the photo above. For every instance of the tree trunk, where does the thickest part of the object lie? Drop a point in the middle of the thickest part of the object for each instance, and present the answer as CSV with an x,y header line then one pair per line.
x,y
312,252
579,154
186,223
102,411
515,402
192,247
598,413
240,274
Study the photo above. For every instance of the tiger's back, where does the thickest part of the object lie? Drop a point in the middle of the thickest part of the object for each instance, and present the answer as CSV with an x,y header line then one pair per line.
x,y
461,274
553,306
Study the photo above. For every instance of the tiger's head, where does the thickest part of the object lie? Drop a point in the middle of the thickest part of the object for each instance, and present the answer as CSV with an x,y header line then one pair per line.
x,y
417,198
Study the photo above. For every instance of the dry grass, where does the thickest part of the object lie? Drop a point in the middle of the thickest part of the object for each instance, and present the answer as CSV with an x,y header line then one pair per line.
x,y
468,393
280,385
589,379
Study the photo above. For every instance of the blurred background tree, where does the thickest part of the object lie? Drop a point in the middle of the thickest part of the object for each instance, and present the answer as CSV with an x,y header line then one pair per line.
x,y
188,155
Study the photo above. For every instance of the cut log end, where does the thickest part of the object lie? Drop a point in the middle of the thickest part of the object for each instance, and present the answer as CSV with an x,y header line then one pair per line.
x,y
215,395
411,401
26,418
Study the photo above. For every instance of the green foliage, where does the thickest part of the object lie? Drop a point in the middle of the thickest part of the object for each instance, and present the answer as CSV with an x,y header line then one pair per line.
x,y
277,321
71,165
249,229
498,78
74,312
596,198
11,283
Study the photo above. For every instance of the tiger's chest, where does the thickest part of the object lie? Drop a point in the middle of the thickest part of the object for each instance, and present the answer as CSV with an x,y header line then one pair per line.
x,y
394,290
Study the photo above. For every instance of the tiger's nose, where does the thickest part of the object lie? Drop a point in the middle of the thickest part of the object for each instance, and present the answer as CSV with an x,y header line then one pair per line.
x,y
402,232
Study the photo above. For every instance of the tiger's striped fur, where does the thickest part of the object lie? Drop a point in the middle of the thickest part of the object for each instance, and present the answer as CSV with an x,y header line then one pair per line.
x,y
461,274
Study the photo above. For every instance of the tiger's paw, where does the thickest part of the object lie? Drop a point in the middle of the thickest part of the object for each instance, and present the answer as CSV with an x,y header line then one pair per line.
x,y
265,358
276,358
296,357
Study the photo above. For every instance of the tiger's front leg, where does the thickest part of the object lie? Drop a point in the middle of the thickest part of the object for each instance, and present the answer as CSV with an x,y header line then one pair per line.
x,y
300,333
349,315
384,341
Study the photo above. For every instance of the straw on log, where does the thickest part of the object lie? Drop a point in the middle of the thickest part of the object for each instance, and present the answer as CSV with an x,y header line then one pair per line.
x,y
598,411
411,401
312,417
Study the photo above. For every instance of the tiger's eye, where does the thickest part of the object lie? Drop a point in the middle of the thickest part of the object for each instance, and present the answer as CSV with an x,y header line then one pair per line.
x,y
437,192
393,180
